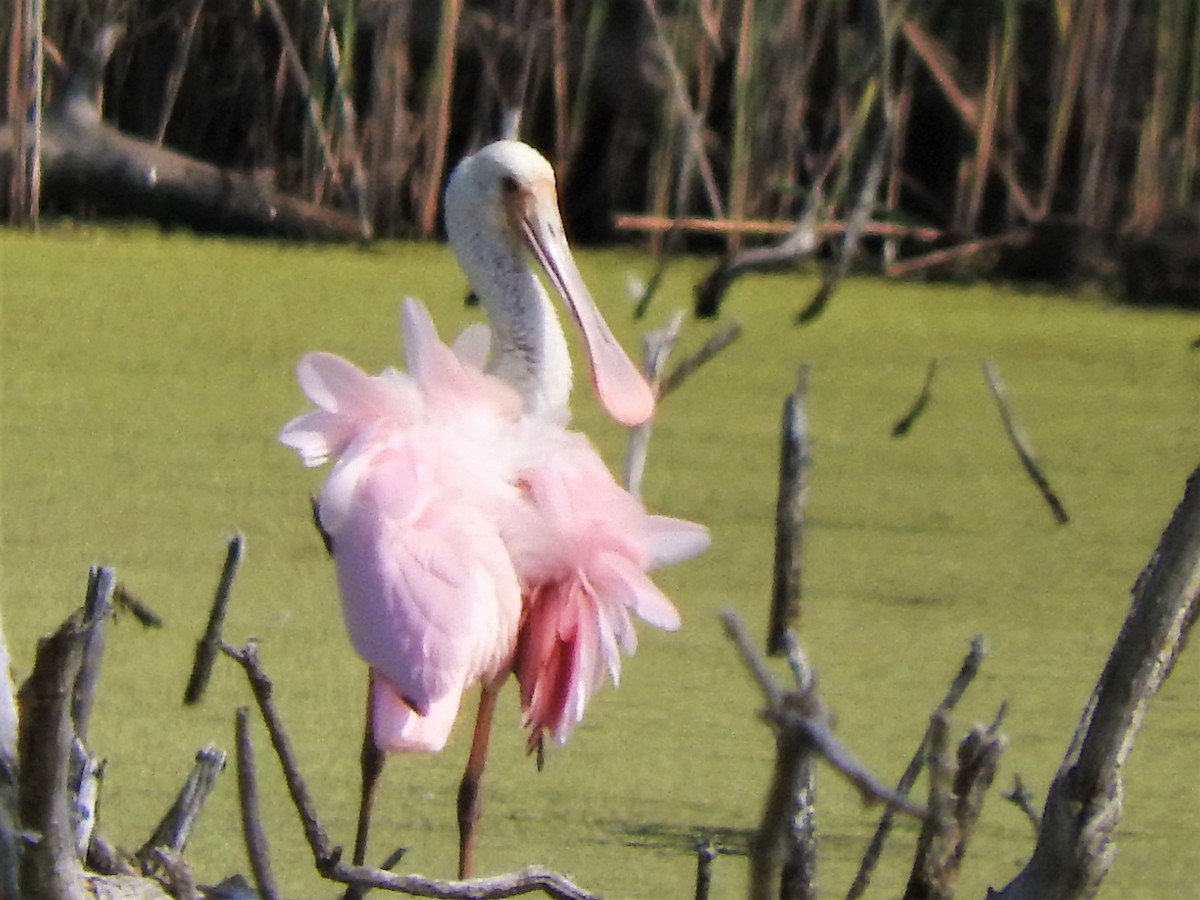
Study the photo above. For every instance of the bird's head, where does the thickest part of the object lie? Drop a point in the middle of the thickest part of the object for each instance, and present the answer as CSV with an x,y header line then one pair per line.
x,y
507,191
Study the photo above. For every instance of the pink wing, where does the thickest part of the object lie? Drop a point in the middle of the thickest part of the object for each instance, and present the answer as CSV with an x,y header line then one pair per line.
x,y
428,617
429,594
582,545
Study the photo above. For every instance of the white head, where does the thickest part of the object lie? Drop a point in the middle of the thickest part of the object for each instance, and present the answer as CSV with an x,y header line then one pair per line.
x,y
500,203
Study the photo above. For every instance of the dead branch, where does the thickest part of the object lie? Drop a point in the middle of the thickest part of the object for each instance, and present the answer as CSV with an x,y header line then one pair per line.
x,y
1021,443
1020,796
962,251
84,780
49,867
800,723
207,646
88,160
798,880
652,223
800,244
966,674
256,840
905,422
172,832
1075,846
957,789
688,366
938,827
795,457
657,346
327,856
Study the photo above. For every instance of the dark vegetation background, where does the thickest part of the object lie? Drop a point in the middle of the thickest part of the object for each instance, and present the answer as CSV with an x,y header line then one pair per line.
x,y
1046,139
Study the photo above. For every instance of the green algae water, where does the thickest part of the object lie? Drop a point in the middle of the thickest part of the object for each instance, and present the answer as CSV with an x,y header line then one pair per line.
x,y
144,380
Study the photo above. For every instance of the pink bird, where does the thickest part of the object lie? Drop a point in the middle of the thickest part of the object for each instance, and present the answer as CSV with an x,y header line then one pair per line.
x,y
473,533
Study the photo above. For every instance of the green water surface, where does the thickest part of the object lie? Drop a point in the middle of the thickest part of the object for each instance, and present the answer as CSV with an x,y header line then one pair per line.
x,y
144,380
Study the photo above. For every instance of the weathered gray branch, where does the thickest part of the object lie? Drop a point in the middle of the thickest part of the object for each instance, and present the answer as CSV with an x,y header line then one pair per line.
x,y
957,789
172,832
1075,844
49,867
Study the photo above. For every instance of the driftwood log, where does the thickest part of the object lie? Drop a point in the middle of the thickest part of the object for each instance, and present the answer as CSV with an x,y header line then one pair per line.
x,y
85,161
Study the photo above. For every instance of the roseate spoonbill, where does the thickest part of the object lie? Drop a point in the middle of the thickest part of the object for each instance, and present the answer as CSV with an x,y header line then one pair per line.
x,y
473,534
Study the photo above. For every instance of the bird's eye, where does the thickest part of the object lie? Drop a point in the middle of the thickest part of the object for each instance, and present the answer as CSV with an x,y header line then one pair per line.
x,y
510,184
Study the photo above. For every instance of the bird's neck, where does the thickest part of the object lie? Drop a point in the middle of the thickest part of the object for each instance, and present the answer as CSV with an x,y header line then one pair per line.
x,y
528,347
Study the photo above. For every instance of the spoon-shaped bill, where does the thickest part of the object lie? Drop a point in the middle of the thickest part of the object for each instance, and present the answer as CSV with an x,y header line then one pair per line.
x,y
619,385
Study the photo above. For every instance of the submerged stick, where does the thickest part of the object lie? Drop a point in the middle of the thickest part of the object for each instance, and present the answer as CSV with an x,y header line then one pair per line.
x,y
1021,444
905,422
207,646
138,608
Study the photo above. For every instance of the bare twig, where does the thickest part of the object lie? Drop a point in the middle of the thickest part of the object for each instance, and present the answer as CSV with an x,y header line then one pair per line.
x,y
207,646
172,832
688,366
657,346
324,852
1021,443
794,460
966,674
1074,848
1022,798
905,422
327,856
257,849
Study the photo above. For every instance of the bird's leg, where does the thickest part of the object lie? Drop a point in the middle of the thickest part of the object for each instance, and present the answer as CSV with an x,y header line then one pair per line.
x,y
372,765
468,790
